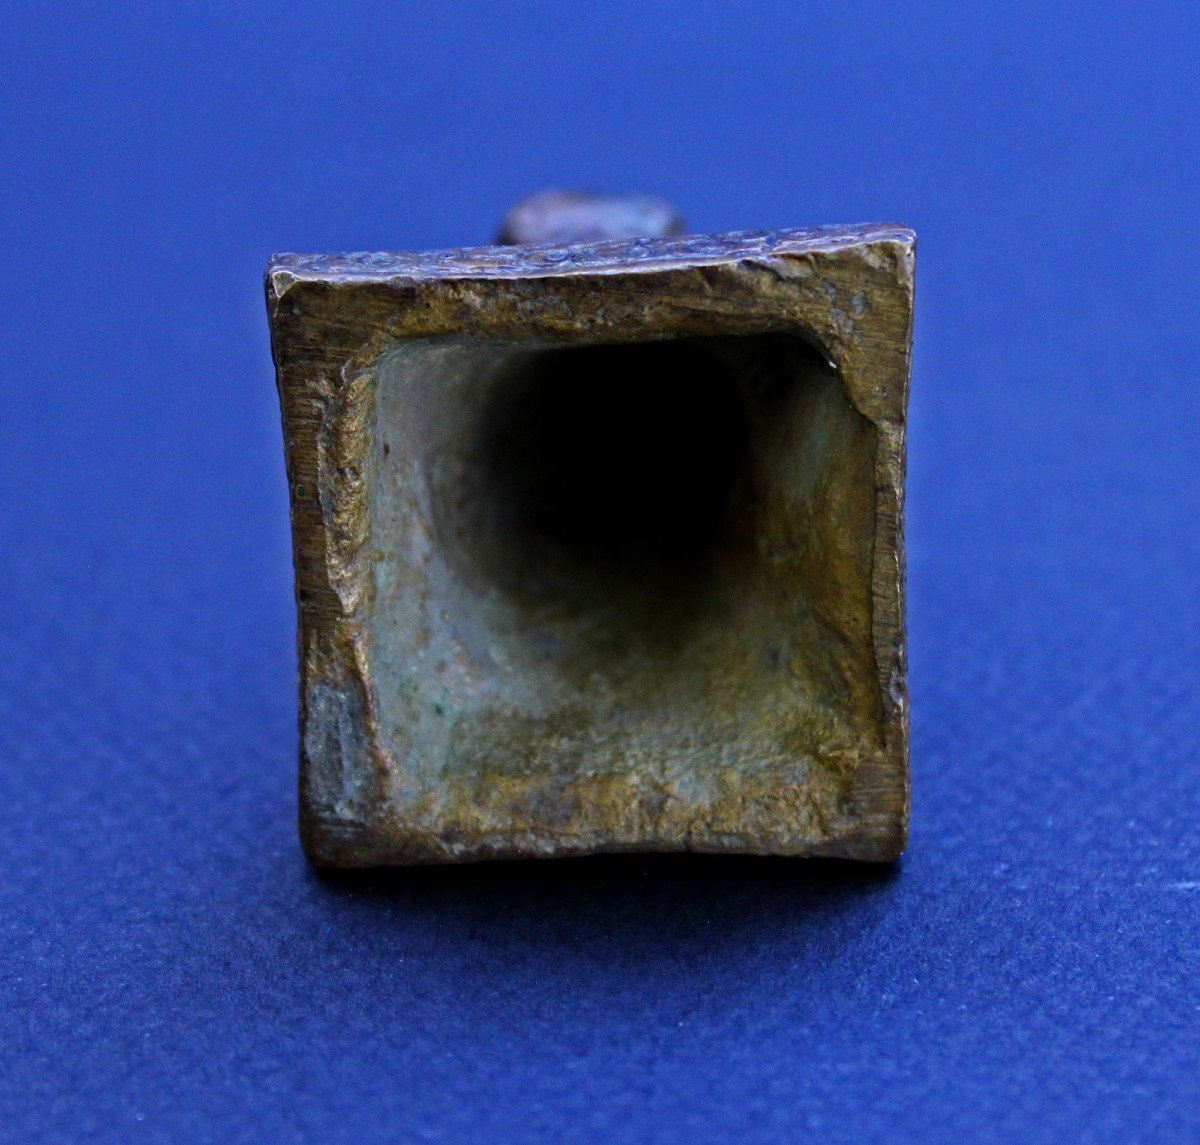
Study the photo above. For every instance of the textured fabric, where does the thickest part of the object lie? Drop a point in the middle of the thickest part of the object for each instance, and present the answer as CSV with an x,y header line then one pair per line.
x,y
170,968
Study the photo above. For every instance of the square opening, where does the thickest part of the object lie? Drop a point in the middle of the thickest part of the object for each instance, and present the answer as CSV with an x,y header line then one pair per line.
x,y
614,583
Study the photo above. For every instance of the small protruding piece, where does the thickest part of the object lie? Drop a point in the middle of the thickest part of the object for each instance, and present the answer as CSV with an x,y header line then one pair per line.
x,y
577,216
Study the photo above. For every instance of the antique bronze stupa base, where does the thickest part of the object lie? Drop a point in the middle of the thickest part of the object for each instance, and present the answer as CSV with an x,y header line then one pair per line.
x,y
599,543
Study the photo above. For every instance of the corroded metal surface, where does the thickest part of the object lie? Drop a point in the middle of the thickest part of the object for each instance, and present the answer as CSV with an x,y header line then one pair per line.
x,y
599,546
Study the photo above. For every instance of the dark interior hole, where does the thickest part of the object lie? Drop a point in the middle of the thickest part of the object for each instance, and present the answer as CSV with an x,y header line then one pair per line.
x,y
608,469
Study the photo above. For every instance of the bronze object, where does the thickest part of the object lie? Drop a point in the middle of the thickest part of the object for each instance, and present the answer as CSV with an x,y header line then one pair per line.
x,y
599,544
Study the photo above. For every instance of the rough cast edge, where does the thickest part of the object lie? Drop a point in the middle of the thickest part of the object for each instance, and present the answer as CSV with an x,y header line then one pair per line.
x,y
540,260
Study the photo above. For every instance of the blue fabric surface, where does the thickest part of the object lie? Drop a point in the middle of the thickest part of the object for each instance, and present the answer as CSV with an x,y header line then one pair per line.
x,y
170,968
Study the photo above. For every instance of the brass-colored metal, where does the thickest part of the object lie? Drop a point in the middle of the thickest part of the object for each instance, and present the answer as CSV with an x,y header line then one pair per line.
x,y
599,545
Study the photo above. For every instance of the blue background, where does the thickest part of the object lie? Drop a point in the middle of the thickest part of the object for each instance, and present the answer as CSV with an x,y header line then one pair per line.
x,y
171,967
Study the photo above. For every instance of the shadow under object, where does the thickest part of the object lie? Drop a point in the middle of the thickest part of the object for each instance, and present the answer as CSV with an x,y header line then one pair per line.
x,y
599,545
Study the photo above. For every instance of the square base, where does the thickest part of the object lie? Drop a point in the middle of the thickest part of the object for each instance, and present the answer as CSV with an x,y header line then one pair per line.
x,y
583,567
